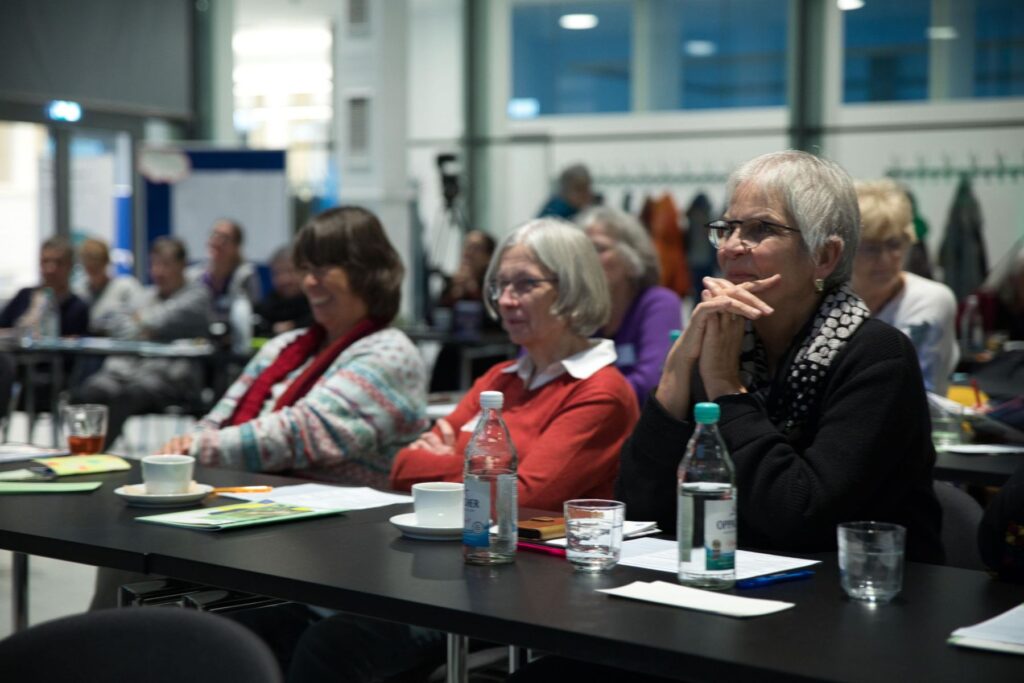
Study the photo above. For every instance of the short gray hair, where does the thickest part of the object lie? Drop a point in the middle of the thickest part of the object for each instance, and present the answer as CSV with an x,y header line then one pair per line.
x,y
631,240
564,251
816,194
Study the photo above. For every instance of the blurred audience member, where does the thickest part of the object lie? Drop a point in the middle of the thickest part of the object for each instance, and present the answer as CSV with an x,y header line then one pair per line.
x,y
108,298
575,193
226,275
643,314
27,307
1002,295
285,308
922,309
1001,532
467,282
172,308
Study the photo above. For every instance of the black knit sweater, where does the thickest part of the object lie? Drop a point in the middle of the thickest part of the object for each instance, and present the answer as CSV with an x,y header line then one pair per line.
x,y
864,453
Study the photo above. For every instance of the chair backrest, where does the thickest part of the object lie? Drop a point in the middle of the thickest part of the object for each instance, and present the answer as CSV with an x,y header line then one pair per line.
x,y
961,516
153,644
6,384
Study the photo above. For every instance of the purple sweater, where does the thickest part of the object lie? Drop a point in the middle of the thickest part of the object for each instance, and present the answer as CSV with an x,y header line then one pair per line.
x,y
642,341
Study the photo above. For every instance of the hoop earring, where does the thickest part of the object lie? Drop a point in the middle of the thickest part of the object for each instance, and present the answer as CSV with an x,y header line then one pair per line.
x,y
819,285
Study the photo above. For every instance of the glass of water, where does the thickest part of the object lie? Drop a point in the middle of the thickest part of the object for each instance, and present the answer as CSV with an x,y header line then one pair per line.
x,y
871,560
593,533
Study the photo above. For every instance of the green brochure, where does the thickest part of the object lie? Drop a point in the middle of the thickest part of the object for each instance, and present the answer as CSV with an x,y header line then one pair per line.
x,y
238,515
47,487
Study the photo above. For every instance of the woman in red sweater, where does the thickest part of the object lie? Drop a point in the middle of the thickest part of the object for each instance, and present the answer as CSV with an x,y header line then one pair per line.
x,y
568,409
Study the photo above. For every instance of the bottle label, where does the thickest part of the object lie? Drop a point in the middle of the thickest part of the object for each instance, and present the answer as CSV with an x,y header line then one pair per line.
x,y
720,534
477,519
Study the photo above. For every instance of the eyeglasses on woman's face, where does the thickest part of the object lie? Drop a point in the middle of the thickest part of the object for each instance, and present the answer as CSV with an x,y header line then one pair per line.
x,y
520,286
752,232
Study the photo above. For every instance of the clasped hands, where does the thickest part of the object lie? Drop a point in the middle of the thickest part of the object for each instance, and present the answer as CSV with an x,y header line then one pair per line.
x,y
712,340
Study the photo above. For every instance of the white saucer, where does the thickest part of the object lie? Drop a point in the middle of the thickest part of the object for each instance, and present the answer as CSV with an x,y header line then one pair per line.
x,y
135,494
411,528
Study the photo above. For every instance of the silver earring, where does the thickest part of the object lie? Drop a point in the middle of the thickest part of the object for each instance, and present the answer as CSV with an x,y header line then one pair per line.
x,y
819,285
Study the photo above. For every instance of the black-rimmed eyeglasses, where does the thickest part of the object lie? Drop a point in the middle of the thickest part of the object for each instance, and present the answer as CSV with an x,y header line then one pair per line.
x,y
752,231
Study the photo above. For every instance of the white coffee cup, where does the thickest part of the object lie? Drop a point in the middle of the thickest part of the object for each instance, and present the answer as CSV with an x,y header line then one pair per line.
x,y
438,504
164,474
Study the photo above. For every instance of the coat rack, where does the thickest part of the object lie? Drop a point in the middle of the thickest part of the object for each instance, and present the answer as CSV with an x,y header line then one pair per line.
x,y
947,171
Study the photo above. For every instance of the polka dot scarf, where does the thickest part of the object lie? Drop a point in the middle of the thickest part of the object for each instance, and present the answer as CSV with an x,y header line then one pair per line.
x,y
840,314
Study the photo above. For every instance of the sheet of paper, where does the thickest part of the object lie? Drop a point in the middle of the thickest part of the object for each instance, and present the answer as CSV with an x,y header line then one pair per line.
x,y
47,487
1004,633
663,556
675,595
13,452
983,449
326,496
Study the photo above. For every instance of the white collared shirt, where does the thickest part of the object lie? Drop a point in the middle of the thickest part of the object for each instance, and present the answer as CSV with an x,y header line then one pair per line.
x,y
598,354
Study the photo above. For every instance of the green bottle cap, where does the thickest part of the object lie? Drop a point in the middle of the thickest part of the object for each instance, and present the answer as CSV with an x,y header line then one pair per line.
x,y
706,413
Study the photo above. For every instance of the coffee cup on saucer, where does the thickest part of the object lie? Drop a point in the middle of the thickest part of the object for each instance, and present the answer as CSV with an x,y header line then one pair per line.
x,y
167,474
438,504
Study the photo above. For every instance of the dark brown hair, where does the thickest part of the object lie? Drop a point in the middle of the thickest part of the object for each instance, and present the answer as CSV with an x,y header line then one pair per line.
x,y
169,247
353,239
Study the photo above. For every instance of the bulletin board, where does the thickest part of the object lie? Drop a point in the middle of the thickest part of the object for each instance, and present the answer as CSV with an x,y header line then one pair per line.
x,y
188,190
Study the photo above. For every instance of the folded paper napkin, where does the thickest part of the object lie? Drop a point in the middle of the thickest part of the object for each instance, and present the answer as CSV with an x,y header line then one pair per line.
x,y
696,599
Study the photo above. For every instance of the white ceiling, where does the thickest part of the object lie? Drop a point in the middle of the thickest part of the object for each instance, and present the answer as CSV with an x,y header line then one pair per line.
x,y
285,12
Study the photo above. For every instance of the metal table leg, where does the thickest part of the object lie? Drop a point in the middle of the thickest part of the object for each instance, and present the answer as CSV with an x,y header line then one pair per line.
x,y
457,647
56,387
19,591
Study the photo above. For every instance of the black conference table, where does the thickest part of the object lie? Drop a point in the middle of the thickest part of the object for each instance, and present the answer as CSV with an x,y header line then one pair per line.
x,y
981,469
359,563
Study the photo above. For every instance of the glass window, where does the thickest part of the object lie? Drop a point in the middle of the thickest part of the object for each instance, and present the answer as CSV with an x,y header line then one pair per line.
x,y
571,57
933,49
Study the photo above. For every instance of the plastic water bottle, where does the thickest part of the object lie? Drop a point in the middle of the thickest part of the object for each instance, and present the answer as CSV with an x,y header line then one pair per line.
x,y
49,318
707,519
489,529
241,325
972,332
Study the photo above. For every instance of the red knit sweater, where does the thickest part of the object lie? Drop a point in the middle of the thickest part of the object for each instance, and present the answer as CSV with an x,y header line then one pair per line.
x,y
567,433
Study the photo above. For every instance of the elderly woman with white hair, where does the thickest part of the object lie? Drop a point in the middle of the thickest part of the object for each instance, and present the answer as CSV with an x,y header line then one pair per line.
x,y
567,408
643,314
822,408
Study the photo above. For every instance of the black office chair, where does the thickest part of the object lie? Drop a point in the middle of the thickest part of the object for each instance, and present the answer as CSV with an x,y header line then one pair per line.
x,y
150,644
961,516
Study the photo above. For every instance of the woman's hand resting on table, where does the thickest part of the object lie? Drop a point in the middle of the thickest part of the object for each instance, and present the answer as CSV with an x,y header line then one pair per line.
x,y
180,445
437,445
713,340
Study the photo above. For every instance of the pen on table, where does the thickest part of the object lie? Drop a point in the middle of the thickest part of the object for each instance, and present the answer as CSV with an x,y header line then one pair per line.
x,y
541,548
758,581
977,393
243,489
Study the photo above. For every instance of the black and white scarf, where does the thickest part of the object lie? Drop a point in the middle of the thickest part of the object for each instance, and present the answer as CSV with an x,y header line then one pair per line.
x,y
840,314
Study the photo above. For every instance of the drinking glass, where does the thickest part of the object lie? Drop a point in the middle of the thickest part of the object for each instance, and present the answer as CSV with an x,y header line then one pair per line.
x,y
871,560
593,533
85,426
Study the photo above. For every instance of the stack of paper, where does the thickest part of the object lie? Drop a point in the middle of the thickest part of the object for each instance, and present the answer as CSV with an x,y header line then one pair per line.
x,y
239,515
325,496
662,555
693,598
1004,633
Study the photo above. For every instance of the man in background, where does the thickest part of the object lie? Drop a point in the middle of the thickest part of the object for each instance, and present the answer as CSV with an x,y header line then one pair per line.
x,y
575,193
26,308
171,308
226,275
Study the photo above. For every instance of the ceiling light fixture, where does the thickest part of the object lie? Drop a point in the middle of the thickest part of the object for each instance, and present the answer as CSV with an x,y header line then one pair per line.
x,y
577,22
848,5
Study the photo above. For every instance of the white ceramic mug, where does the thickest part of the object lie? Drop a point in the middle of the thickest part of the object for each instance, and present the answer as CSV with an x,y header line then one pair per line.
x,y
438,504
165,474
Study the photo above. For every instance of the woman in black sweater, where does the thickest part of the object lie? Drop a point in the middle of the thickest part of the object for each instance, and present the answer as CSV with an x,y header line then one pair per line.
x,y
823,410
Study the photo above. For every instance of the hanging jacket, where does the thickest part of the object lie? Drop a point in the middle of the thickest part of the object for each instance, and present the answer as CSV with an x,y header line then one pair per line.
x,y
962,255
668,243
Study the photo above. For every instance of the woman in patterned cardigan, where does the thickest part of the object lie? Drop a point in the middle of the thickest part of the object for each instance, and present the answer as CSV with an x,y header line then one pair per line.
x,y
334,401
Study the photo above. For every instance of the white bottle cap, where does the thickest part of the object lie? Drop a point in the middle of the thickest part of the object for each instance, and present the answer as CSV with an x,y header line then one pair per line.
x,y
491,399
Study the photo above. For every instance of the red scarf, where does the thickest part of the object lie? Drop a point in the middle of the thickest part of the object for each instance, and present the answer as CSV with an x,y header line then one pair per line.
x,y
291,357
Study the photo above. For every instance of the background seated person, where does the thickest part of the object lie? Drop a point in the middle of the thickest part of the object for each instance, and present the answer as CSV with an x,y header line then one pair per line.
x,y
285,308
823,408
226,275
643,313
467,284
575,193
334,401
1002,295
26,308
170,309
566,406
108,298
1001,532
922,309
